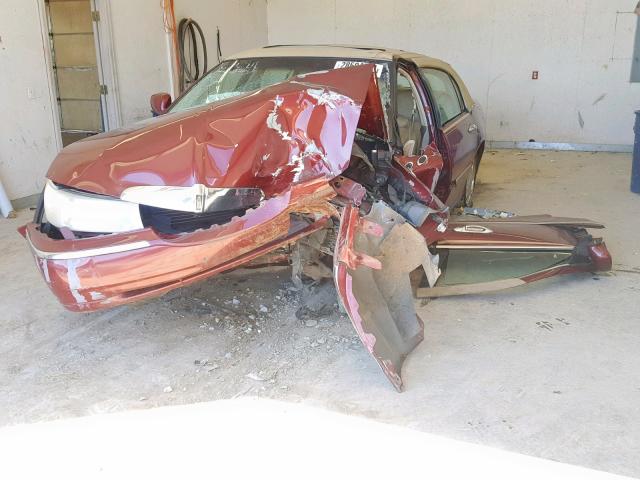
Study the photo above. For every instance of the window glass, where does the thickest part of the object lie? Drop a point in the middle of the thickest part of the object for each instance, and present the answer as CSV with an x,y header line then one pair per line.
x,y
445,93
237,77
475,266
411,120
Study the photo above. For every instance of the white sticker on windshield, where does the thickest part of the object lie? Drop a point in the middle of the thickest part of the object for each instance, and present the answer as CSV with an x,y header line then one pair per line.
x,y
349,63
355,63
216,97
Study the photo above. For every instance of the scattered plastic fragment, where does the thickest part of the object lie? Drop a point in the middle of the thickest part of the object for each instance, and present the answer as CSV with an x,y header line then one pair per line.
x,y
487,213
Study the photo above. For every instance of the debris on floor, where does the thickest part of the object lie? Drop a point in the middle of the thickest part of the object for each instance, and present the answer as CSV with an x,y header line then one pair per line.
x,y
487,213
318,300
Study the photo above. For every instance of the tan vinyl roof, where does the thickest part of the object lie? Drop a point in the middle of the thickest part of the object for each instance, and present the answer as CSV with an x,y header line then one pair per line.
x,y
356,52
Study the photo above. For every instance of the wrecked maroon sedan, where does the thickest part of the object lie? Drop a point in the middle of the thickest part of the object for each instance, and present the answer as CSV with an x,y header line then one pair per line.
x,y
345,159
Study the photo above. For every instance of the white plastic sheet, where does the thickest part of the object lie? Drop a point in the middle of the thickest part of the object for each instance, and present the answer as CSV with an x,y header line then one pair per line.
x,y
5,205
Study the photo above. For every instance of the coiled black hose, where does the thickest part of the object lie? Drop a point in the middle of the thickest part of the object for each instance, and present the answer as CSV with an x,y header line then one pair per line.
x,y
190,70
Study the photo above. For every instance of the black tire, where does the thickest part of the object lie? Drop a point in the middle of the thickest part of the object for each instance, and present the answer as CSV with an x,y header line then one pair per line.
x,y
467,199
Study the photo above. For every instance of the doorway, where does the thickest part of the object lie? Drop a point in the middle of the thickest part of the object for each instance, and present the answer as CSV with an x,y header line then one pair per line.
x,y
77,71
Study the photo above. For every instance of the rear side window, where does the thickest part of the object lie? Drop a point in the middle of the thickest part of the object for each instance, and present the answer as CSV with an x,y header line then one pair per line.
x,y
445,93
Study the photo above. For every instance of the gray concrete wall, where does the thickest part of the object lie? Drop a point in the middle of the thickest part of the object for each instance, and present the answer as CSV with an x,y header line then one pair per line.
x,y
582,50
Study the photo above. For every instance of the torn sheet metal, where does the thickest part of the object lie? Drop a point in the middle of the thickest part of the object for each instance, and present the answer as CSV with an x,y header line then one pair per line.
x,y
373,258
287,133
125,275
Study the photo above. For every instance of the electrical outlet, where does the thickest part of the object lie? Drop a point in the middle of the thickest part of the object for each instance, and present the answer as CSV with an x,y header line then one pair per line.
x,y
534,75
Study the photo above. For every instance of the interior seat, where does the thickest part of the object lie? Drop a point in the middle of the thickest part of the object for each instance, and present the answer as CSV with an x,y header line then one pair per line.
x,y
408,118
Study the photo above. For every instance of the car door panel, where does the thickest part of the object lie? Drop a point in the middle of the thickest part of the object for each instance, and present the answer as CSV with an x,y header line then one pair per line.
x,y
378,254
493,254
458,130
462,146
382,262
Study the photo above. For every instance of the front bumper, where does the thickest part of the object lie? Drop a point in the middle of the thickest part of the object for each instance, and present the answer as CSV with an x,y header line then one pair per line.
x,y
99,272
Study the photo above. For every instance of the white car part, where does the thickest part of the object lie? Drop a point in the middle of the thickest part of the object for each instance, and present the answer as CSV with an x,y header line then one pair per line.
x,y
88,252
88,212
197,198
5,205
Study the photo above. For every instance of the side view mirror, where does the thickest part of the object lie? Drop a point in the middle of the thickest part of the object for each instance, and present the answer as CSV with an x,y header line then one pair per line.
x,y
160,103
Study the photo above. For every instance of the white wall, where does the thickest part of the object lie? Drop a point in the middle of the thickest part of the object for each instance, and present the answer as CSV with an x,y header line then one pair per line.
x,y
141,42
582,49
140,50
242,23
27,135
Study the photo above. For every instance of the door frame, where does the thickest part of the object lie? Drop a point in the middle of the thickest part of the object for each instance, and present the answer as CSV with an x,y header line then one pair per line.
x,y
107,74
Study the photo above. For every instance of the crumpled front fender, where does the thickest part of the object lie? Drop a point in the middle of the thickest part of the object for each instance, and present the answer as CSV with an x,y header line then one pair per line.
x,y
282,135
373,258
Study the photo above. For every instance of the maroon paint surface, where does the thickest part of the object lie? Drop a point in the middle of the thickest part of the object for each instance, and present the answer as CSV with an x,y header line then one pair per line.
x,y
102,281
290,139
233,143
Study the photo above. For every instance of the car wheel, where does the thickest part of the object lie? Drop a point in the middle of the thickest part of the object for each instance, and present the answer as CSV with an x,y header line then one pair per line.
x,y
470,186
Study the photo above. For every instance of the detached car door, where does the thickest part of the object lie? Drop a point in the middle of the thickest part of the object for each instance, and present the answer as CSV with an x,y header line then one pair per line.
x,y
458,129
381,262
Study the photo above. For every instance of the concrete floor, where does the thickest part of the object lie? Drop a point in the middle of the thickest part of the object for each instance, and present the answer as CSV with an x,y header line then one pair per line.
x,y
550,370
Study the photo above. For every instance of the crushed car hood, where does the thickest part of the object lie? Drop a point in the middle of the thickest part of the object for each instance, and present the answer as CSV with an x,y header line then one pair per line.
x,y
287,133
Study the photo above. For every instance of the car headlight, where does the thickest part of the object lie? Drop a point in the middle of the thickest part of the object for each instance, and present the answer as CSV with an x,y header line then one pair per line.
x,y
88,212
195,199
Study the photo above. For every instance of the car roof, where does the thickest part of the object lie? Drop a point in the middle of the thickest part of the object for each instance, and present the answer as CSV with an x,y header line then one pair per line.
x,y
339,51
360,52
